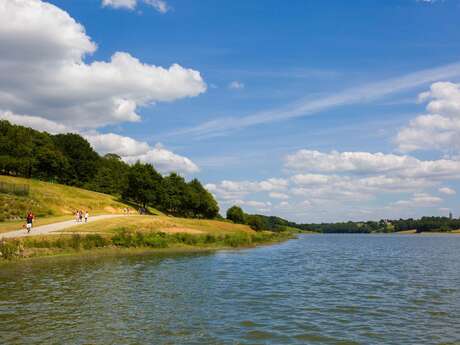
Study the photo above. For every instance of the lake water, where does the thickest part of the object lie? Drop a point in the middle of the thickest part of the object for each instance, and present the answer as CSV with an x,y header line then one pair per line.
x,y
319,289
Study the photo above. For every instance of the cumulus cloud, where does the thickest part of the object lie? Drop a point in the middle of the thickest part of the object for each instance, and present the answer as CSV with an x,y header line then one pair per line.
x,y
419,200
165,160
236,190
44,73
114,143
370,163
35,122
258,205
440,128
130,4
447,191
159,5
322,184
131,151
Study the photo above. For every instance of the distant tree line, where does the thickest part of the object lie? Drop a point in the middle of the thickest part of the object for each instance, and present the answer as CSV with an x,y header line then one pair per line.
x,y
424,224
69,159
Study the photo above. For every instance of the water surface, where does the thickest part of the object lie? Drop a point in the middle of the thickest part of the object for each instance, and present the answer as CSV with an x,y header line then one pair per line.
x,y
320,289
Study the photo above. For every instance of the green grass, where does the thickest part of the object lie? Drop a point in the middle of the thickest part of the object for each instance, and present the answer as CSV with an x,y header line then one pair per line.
x,y
51,201
159,224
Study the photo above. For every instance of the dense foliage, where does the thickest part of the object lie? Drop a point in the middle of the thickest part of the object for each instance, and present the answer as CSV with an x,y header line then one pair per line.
x,y
236,215
258,221
70,159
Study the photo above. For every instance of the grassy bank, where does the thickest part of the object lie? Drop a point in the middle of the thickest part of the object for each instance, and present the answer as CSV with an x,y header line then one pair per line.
x,y
50,202
124,240
54,203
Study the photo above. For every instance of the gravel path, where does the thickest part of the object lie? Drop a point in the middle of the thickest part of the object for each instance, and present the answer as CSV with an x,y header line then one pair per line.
x,y
46,229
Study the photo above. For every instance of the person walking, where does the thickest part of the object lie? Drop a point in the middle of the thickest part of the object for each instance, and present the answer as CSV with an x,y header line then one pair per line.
x,y
86,216
77,216
29,221
80,216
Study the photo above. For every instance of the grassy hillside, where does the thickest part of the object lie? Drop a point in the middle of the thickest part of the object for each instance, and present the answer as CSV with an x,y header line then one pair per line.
x,y
50,202
171,225
53,203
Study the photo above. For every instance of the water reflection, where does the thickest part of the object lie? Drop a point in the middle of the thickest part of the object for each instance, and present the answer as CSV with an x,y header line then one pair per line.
x,y
328,289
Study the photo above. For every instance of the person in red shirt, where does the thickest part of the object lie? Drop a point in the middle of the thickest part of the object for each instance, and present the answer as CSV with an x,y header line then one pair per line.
x,y
29,221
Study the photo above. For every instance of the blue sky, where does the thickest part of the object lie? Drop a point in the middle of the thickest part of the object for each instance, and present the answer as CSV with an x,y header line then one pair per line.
x,y
310,110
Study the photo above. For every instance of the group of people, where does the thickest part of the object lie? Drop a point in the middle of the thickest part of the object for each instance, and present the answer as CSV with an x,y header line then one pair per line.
x,y
79,215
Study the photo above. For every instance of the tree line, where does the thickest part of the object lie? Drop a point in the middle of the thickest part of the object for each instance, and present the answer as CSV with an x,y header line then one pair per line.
x,y
424,224
69,159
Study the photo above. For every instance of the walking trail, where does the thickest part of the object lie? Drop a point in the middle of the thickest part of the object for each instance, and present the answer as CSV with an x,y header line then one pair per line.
x,y
46,229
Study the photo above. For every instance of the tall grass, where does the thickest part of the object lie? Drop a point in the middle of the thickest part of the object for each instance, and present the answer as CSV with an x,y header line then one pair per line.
x,y
10,249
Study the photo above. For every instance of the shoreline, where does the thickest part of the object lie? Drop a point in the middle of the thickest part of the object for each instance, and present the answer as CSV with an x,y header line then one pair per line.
x,y
37,254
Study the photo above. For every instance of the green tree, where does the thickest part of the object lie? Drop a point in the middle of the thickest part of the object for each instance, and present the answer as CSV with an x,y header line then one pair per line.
x,y
83,160
199,202
174,195
143,185
256,222
236,214
111,176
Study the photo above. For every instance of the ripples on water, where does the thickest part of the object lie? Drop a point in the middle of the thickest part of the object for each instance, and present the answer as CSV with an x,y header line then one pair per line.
x,y
320,289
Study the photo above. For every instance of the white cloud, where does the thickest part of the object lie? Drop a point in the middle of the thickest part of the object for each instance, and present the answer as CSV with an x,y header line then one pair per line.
x,y
277,195
419,200
44,73
165,160
356,95
259,205
236,190
447,191
236,85
132,150
159,5
130,4
38,123
370,163
440,128
114,143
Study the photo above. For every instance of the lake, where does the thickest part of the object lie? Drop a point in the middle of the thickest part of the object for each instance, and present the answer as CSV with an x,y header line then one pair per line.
x,y
319,289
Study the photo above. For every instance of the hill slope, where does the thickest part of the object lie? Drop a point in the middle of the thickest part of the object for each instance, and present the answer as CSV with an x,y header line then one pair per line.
x,y
49,202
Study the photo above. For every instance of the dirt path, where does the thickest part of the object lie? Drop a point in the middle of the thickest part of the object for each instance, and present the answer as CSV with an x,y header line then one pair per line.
x,y
46,229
